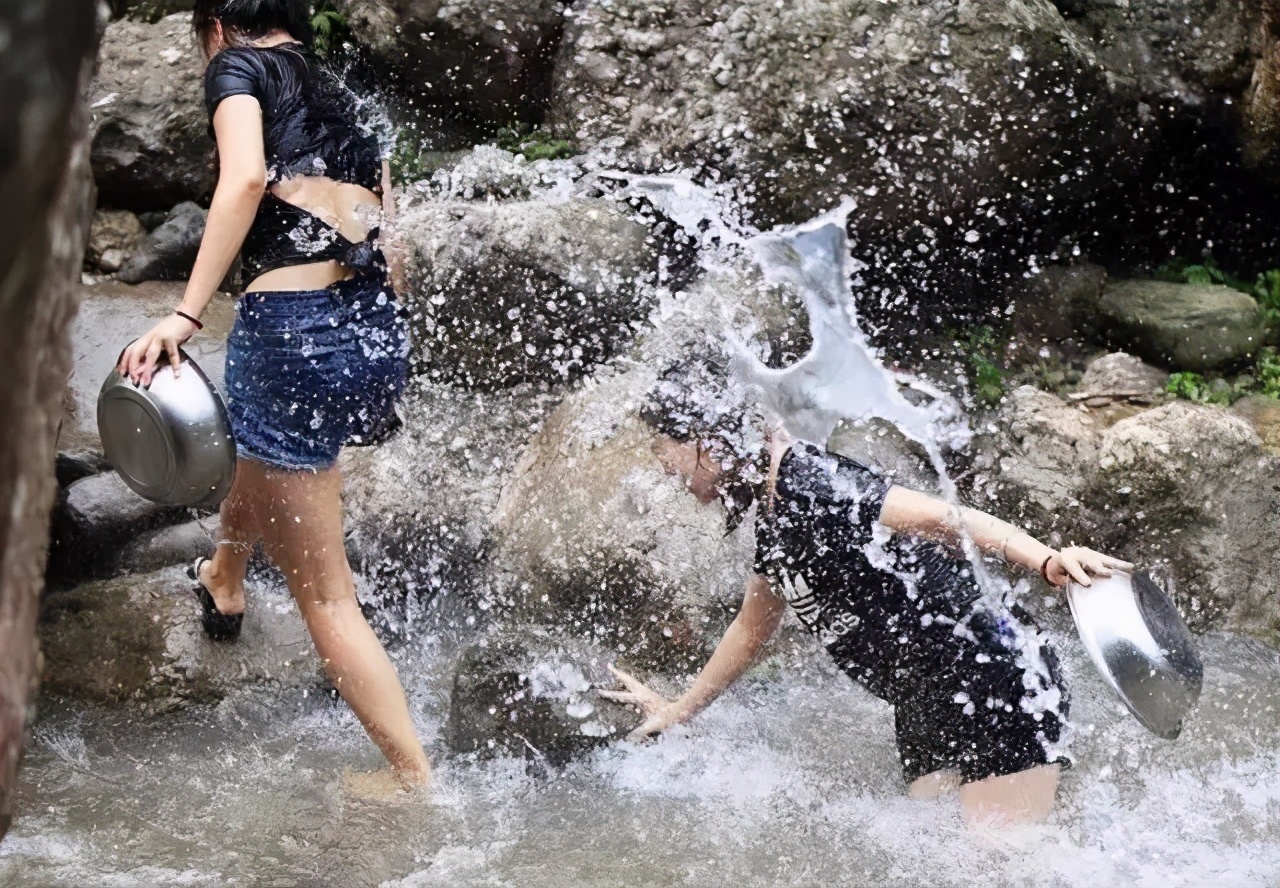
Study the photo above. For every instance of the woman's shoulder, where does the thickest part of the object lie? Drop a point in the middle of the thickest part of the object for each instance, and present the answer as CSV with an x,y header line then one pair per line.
x,y
813,471
237,70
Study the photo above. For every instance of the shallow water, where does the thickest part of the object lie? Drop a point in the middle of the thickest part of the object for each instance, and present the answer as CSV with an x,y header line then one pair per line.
x,y
791,778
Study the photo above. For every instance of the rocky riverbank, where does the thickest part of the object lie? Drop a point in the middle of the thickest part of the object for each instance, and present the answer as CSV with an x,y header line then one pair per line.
x,y
996,153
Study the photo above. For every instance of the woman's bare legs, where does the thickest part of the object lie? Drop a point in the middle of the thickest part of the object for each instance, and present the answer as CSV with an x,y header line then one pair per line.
x,y
932,786
1012,799
223,574
299,518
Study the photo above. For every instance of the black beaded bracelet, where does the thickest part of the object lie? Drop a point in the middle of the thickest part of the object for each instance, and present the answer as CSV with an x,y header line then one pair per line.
x,y
1044,569
196,321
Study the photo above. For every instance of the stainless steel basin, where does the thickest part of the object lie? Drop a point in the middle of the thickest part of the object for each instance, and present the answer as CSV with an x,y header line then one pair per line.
x,y
1139,642
171,441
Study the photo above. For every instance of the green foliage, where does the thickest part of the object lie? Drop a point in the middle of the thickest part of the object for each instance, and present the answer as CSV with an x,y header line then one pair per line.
x,y
1267,292
1263,378
409,163
331,27
533,144
981,350
1206,271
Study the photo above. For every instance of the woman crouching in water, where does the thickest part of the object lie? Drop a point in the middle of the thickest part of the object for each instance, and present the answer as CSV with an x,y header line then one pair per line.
x,y
872,569
317,355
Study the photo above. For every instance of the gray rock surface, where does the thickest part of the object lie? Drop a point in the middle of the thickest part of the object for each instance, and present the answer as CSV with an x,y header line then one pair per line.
x,y
1122,375
530,694
1184,326
138,640
94,520
151,147
112,239
521,291
168,252
487,61
1185,489
47,195
600,543
945,104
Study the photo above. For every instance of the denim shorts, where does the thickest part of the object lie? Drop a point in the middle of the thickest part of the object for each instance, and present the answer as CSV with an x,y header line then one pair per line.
x,y
309,371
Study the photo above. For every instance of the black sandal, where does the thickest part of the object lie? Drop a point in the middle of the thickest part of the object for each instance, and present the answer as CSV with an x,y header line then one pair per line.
x,y
217,625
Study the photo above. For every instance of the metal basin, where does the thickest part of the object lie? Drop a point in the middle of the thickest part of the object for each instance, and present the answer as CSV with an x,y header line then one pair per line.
x,y
1139,642
171,441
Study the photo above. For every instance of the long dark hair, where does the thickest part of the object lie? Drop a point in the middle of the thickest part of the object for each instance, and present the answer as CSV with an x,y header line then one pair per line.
x,y
698,401
247,20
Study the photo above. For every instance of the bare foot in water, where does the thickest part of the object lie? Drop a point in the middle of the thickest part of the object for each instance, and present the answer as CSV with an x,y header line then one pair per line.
x,y
387,785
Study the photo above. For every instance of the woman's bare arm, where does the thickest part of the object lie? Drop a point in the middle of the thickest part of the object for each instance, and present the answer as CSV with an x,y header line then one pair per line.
x,y
755,624
917,514
392,245
242,180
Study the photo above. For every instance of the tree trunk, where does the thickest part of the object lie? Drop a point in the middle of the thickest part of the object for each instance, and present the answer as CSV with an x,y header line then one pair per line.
x,y
46,201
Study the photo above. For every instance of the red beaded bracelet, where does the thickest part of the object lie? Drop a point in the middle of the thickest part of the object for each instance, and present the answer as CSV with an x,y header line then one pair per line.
x,y
196,321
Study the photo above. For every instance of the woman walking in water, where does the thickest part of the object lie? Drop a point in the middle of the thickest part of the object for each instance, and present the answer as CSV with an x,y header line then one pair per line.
x,y
871,568
317,355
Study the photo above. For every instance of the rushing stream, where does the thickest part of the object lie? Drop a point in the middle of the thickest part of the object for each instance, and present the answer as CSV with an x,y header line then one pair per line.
x,y
791,779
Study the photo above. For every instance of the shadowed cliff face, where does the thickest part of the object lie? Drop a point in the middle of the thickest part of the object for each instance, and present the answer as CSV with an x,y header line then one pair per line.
x,y
45,46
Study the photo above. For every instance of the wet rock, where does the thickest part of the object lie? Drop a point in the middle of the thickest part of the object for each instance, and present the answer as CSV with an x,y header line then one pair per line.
x,y
418,506
137,640
1263,413
95,517
1185,326
597,541
1122,375
1185,489
832,99
1051,305
165,547
151,147
522,291
112,239
71,467
524,693
489,63
168,252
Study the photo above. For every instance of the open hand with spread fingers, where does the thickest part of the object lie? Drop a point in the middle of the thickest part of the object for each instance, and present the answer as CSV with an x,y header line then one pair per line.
x,y
1079,564
659,713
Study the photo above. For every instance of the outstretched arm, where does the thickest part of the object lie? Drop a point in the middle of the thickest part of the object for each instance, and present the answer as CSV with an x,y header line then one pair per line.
x,y
918,514
755,624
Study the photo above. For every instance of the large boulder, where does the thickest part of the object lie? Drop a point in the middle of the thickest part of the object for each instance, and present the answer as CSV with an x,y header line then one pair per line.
x,y
96,520
169,251
476,64
522,692
814,101
151,147
1184,326
978,139
1185,489
597,541
47,195
525,291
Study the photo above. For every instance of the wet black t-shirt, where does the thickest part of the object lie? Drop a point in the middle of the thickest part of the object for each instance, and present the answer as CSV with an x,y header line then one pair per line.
x,y
311,127
974,686
884,606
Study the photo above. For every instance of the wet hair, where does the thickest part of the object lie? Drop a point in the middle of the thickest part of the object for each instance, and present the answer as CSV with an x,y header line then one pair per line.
x,y
247,20
697,401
